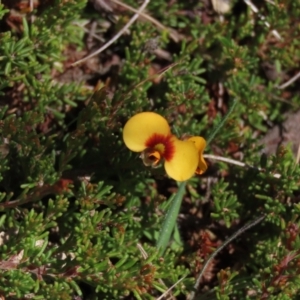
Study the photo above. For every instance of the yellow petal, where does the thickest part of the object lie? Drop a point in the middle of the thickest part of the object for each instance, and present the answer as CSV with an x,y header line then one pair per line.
x,y
184,161
200,144
141,127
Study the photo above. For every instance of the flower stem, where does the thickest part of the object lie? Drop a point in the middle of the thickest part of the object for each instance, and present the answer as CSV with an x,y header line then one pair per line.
x,y
170,219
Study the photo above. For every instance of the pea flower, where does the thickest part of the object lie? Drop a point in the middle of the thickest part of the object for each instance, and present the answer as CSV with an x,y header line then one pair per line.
x,y
150,134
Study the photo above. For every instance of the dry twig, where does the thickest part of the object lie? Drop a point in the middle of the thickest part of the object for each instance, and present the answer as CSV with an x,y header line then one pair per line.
x,y
173,34
121,32
262,17
230,239
236,162
289,82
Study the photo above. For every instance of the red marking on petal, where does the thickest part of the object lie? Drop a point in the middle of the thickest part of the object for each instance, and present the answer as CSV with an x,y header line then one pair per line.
x,y
166,140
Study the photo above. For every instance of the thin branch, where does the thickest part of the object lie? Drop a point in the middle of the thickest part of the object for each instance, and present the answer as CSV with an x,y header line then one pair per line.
x,y
142,250
31,7
145,256
121,32
271,2
298,155
236,162
227,160
213,255
289,82
99,38
173,34
262,17
170,288
221,124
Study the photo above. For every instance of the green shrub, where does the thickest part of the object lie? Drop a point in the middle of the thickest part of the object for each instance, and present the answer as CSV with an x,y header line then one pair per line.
x,y
80,215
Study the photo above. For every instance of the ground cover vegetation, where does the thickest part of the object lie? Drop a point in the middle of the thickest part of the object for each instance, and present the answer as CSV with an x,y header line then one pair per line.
x,y
81,216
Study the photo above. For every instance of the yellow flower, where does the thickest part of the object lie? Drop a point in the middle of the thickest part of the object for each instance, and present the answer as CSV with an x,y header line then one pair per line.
x,y
149,133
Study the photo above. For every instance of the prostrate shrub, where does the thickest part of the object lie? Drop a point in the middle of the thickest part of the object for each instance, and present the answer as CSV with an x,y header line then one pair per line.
x,y
81,216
